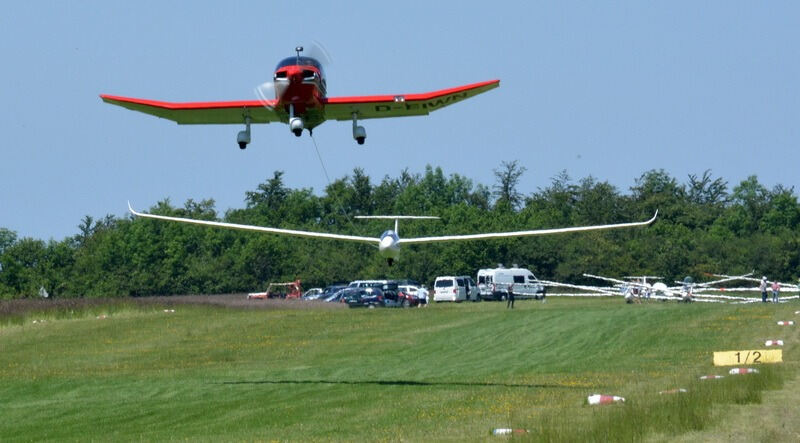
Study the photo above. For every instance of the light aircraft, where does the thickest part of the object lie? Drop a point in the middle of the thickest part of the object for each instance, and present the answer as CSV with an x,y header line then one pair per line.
x,y
703,288
686,290
637,285
297,96
389,242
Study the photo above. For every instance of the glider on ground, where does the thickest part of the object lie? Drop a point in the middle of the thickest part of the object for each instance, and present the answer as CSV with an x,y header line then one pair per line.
x,y
389,242
297,96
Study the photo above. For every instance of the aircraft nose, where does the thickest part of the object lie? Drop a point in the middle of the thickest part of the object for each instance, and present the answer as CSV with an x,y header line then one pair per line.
x,y
295,74
386,242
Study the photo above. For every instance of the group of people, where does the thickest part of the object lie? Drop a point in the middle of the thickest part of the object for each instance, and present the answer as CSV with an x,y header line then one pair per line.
x,y
764,285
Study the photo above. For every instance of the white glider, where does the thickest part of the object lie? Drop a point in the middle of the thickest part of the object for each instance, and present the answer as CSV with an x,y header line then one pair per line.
x,y
389,242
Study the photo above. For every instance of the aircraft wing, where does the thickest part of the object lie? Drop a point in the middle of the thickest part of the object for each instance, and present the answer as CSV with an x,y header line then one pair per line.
x,y
401,105
524,233
200,113
371,240
608,279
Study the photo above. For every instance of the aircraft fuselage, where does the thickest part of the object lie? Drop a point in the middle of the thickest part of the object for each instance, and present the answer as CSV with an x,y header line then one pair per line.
x,y
300,84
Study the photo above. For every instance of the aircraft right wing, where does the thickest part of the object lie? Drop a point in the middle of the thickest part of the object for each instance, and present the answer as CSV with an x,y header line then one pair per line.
x,y
371,240
401,105
524,233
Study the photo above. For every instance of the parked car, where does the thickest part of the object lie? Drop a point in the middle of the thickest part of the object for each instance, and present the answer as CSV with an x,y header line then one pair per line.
x,y
312,294
368,283
327,292
336,296
411,293
363,297
473,292
449,289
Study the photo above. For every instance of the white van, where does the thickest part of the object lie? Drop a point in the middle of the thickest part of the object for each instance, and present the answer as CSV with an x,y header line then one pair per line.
x,y
449,289
494,283
473,293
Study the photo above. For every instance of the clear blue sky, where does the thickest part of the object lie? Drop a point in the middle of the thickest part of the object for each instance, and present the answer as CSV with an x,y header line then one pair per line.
x,y
608,89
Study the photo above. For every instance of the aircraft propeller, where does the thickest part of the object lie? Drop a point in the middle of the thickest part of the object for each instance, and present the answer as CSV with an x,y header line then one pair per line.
x,y
266,91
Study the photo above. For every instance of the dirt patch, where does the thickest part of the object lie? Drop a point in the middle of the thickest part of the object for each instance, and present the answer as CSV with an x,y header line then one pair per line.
x,y
241,301
238,301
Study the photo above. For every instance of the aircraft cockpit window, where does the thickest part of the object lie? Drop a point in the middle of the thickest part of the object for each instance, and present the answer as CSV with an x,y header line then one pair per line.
x,y
300,61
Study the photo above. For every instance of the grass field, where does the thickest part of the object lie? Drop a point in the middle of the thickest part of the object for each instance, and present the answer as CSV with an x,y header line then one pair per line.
x,y
447,372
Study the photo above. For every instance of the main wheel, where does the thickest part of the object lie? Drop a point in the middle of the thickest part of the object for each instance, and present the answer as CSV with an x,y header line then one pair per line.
x,y
360,140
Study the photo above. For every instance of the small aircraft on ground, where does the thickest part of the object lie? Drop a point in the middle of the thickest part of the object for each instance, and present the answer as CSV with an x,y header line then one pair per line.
x,y
389,242
297,96
634,288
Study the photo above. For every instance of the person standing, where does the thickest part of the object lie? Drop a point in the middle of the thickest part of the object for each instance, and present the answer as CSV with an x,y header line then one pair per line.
x,y
510,303
776,290
422,295
763,288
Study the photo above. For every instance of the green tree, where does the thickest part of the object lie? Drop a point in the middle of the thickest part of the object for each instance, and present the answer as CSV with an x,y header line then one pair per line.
x,y
505,188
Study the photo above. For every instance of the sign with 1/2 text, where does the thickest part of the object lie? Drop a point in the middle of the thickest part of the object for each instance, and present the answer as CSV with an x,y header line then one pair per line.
x,y
752,357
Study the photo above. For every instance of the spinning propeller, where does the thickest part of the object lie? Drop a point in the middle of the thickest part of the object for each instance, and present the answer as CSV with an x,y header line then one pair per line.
x,y
266,92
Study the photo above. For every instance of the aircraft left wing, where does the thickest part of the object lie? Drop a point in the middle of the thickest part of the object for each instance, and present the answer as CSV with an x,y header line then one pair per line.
x,y
200,113
524,233
401,105
371,240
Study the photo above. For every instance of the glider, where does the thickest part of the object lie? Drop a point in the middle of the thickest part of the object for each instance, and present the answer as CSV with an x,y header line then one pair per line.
x,y
297,96
389,242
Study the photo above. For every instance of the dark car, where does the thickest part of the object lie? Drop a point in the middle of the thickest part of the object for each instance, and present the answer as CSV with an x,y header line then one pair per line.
x,y
394,297
364,297
327,292
337,296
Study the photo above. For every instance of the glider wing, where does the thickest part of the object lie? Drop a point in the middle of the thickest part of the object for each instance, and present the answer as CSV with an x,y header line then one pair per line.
x,y
311,234
524,233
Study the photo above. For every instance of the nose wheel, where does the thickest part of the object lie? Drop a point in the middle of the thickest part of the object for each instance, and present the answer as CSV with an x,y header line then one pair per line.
x,y
295,123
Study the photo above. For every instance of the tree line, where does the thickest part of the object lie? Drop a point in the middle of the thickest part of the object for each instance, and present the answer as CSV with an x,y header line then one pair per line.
x,y
704,226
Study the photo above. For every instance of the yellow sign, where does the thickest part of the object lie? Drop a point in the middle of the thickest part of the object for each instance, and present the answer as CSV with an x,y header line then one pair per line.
x,y
732,358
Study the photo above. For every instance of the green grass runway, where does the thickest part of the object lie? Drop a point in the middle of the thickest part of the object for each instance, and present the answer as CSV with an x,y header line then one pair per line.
x,y
446,372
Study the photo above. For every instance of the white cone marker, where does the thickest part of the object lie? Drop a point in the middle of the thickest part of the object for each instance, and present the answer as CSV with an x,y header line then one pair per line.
x,y
598,399
740,371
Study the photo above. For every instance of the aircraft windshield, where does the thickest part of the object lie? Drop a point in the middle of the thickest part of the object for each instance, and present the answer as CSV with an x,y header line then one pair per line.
x,y
300,61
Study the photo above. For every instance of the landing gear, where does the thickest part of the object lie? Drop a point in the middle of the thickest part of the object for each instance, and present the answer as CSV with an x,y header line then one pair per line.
x,y
295,123
243,139
359,133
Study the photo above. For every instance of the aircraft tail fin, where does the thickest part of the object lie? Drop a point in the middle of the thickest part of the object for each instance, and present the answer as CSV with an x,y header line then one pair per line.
x,y
398,217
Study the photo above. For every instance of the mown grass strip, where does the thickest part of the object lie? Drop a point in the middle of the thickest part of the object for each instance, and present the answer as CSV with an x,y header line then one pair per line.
x,y
444,372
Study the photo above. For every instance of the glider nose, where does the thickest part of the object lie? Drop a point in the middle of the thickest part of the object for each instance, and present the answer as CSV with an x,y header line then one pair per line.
x,y
389,245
